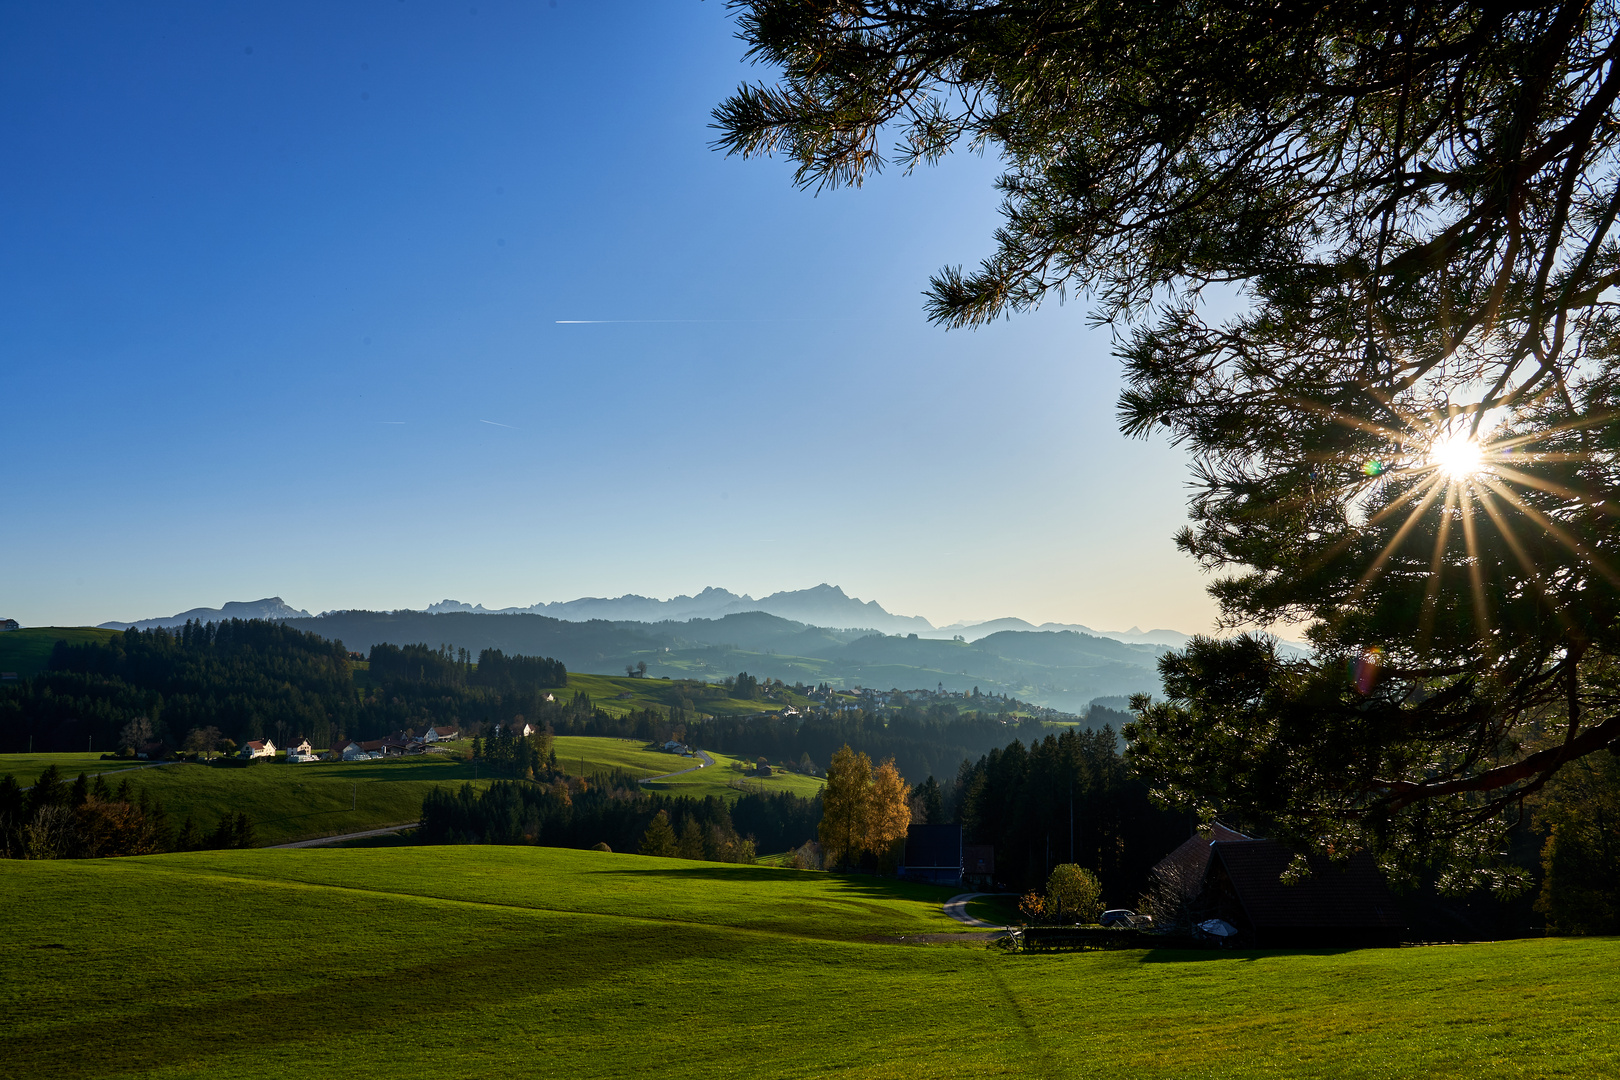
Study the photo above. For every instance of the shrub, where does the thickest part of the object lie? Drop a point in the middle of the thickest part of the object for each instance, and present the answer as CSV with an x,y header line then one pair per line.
x,y
1073,894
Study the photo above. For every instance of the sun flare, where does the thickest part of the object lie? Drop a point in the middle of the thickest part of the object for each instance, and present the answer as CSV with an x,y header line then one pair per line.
x,y
1457,455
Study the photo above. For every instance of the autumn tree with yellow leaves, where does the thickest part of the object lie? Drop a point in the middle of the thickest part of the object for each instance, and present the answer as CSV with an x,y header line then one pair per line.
x,y
862,809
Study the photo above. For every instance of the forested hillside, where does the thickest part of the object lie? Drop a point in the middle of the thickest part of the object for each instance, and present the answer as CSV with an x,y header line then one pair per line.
x,y
1057,669
251,679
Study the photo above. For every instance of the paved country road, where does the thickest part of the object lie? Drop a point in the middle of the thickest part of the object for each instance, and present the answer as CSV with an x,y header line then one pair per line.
x,y
707,760
956,908
318,841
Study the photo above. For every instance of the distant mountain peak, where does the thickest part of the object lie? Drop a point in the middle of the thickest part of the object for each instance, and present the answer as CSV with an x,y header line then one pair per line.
x,y
271,607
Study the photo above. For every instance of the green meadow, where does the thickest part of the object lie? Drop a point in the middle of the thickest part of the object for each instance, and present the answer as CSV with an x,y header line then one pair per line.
x,y
619,695
27,767
286,802
724,780
584,755
305,802
502,962
27,651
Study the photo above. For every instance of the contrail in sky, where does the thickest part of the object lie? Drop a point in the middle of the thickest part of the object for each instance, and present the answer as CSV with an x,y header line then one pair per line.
x,y
494,424
585,322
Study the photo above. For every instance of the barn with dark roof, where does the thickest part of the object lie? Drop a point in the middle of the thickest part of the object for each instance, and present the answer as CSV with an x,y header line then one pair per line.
x,y
1241,880
933,853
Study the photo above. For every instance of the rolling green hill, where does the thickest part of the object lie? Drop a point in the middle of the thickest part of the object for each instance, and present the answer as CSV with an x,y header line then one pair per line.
x,y
27,767
286,802
619,695
728,777
731,777
496,962
26,651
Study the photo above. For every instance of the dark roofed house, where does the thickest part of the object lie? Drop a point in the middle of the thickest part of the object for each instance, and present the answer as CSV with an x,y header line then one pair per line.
x,y
933,854
396,744
9,624
1239,879
1184,868
979,866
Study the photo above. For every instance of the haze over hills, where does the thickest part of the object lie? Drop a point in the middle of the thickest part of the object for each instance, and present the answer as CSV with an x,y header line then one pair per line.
x,y
824,605
810,635
1059,669
271,607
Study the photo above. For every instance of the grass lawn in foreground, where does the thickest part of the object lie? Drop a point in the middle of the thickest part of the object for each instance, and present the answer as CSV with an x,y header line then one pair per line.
x,y
457,962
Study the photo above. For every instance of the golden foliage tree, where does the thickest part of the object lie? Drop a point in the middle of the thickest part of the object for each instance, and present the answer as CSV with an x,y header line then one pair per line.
x,y
846,805
862,809
890,811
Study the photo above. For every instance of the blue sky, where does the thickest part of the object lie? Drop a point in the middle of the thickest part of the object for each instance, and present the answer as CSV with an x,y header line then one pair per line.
x,y
283,302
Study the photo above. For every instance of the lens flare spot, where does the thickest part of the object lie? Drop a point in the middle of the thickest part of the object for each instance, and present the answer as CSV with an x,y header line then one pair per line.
x,y
1374,468
1364,670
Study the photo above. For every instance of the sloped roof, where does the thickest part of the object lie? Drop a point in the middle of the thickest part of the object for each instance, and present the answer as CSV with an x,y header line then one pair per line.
x,y
1339,895
1191,859
934,846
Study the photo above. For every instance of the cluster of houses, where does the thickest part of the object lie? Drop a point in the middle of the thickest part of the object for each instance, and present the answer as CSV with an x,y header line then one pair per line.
x,y
404,742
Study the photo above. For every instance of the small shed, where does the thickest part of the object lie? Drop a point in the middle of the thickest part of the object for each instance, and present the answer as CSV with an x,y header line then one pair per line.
x,y
933,854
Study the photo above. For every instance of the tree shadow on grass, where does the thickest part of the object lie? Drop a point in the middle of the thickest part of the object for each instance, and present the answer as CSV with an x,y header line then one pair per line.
x,y
1193,956
733,872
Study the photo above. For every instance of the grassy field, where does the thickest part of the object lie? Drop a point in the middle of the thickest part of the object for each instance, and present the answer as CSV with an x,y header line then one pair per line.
x,y
27,767
582,755
718,779
302,802
605,691
26,651
585,755
499,962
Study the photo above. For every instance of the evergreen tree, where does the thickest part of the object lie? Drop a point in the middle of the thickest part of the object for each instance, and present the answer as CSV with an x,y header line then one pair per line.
x,y
48,790
691,844
659,839
188,839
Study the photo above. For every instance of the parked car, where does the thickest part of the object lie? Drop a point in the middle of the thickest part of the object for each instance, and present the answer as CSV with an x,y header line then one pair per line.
x,y
1117,917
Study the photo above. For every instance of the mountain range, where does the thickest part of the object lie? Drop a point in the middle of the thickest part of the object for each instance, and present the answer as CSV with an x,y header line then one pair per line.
x,y
824,605
272,607
809,635
1062,670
